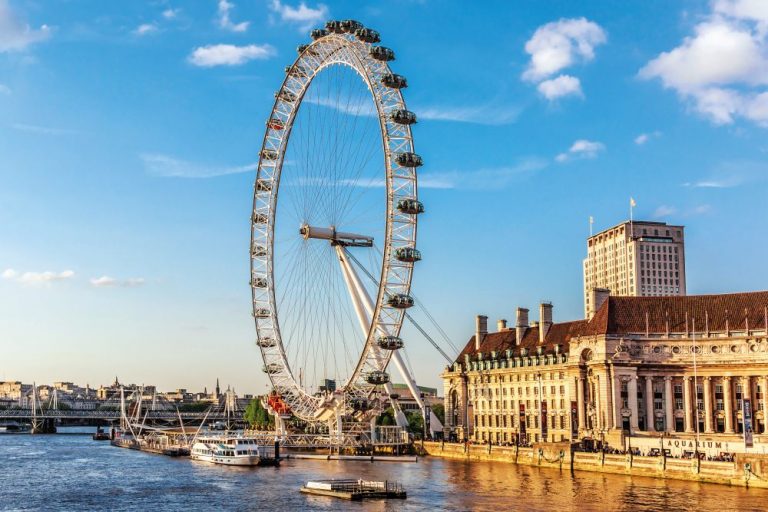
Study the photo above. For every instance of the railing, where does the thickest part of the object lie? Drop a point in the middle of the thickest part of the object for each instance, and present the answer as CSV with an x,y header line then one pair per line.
x,y
105,415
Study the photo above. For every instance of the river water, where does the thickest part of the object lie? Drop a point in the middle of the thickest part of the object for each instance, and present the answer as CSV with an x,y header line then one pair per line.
x,y
69,472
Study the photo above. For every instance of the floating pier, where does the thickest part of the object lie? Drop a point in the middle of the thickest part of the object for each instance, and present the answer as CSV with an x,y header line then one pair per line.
x,y
355,490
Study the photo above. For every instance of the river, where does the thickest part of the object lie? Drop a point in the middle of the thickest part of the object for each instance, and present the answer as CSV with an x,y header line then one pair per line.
x,y
73,472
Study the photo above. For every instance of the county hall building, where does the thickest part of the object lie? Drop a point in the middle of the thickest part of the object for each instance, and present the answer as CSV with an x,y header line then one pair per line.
x,y
644,370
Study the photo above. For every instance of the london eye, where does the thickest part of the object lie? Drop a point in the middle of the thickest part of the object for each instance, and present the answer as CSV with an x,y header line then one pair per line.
x,y
333,231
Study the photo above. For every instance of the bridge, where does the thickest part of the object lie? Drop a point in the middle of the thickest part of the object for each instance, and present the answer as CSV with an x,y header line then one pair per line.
x,y
110,415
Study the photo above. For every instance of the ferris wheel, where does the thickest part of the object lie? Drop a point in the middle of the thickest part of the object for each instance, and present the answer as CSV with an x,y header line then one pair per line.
x,y
333,231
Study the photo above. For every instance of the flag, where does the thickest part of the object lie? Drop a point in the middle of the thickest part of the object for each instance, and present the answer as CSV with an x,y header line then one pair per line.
x,y
591,219
632,202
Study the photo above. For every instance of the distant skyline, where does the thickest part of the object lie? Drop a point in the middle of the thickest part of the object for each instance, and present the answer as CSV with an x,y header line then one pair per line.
x,y
129,133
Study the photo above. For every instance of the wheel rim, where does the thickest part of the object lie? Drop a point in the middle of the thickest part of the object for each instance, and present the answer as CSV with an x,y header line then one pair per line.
x,y
399,227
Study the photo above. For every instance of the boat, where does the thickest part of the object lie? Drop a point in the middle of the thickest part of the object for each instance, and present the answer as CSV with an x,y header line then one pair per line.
x,y
234,451
355,490
13,428
100,435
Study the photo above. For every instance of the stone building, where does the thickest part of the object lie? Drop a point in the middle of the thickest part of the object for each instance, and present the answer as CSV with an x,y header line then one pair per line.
x,y
638,258
640,367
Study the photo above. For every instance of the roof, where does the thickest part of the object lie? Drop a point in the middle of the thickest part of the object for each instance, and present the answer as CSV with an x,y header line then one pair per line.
x,y
638,315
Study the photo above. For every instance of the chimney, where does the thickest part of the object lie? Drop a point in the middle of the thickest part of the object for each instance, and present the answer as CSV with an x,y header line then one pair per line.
x,y
521,324
545,320
481,329
599,295
501,325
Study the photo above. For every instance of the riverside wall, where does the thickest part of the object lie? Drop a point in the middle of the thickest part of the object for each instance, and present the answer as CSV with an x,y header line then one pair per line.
x,y
746,470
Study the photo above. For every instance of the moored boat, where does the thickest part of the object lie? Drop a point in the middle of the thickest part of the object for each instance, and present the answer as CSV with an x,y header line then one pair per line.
x,y
234,451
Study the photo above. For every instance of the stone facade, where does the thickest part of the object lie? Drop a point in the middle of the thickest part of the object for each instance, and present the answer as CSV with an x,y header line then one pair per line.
x,y
642,366
637,258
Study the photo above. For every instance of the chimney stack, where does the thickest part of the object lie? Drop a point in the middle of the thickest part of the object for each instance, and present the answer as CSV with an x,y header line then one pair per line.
x,y
501,325
599,295
545,320
481,330
521,324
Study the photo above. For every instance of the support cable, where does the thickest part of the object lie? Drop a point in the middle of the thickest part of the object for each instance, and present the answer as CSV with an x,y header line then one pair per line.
x,y
409,317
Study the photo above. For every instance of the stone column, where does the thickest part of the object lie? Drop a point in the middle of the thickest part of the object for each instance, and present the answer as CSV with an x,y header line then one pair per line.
x,y
649,411
765,405
669,405
706,383
728,402
632,391
617,405
688,404
581,405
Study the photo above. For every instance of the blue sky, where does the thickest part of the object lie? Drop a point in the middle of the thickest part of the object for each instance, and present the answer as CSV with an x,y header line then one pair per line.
x,y
129,130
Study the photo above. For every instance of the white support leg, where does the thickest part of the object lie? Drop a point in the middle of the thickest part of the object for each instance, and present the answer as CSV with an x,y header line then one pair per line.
x,y
364,312
360,297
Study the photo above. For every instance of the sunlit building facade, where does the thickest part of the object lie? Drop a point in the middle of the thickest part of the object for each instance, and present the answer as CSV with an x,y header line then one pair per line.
x,y
681,366
637,258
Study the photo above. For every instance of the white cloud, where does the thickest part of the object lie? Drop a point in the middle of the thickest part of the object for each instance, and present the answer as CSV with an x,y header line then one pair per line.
x,y
225,21
170,14
721,70
37,278
4,89
484,178
16,35
229,55
700,210
560,44
491,114
581,148
664,211
167,166
145,28
110,282
645,137
563,85
303,16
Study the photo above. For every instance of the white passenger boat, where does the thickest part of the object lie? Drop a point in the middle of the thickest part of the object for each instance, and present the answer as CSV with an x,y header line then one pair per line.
x,y
233,451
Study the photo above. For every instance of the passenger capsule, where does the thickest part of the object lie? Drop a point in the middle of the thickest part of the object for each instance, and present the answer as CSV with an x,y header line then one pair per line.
x,y
259,282
275,124
389,342
377,378
367,35
394,396
408,254
300,49
351,26
272,368
263,185
262,313
285,95
269,154
381,53
403,116
410,206
400,301
334,26
259,218
409,160
318,33
266,342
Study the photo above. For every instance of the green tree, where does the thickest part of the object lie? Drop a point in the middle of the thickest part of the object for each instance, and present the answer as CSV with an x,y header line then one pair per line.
x,y
415,423
439,410
387,418
258,417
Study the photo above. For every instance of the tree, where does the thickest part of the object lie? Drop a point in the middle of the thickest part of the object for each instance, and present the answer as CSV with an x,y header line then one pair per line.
x,y
386,418
258,417
439,410
415,423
